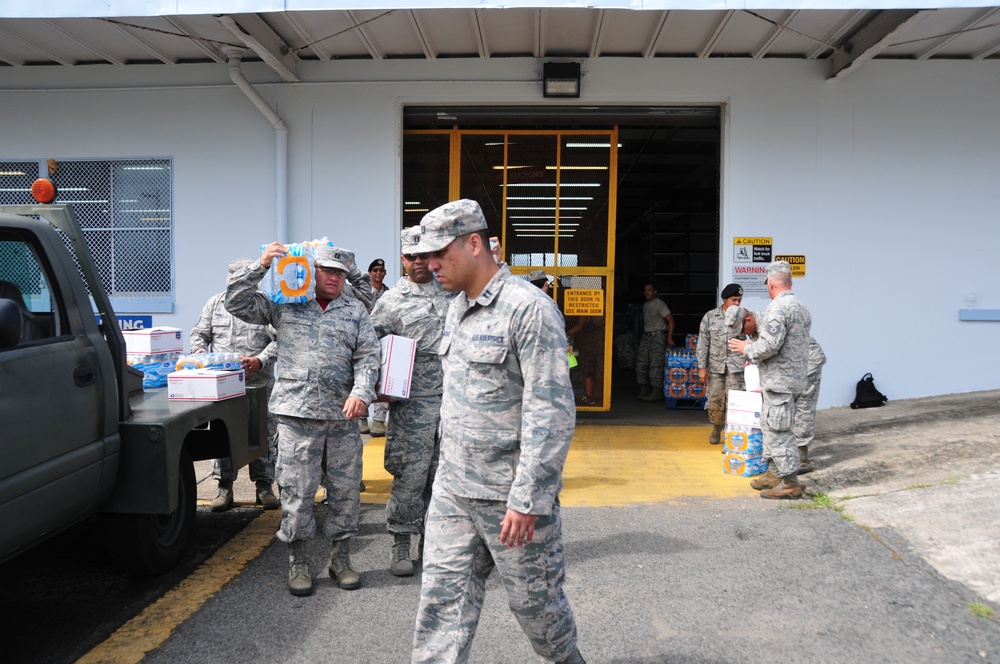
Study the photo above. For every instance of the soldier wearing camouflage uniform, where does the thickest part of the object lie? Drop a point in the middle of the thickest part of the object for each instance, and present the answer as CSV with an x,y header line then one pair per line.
x,y
218,330
414,308
719,368
507,418
329,362
657,333
379,409
781,352
805,411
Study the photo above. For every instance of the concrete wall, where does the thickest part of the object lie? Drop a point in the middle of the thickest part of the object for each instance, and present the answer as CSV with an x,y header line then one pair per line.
x,y
886,181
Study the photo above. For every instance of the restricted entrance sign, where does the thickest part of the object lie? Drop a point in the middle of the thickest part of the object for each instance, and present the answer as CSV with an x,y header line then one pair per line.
x,y
583,302
797,261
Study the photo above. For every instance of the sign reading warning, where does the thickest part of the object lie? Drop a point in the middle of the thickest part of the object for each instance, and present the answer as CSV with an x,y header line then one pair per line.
x,y
751,256
797,261
583,302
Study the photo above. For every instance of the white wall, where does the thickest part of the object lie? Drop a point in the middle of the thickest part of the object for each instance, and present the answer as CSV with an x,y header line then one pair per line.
x,y
886,181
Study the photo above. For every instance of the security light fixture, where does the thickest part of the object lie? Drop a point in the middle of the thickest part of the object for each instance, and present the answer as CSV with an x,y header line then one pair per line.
x,y
561,79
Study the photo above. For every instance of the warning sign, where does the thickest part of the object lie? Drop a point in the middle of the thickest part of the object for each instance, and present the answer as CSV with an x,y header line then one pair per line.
x,y
751,256
797,261
583,302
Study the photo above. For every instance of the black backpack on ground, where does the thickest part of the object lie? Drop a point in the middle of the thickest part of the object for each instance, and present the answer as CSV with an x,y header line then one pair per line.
x,y
868,395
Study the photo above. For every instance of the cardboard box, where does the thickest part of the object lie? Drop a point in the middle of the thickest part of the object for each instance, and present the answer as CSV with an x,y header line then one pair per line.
x,y
154,340
397,366
743,408
205,385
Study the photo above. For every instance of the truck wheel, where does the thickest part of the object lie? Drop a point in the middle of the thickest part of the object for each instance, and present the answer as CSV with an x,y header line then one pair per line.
x,y
153,543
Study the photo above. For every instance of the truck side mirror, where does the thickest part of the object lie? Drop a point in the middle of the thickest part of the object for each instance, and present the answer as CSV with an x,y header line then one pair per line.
x,y
10,323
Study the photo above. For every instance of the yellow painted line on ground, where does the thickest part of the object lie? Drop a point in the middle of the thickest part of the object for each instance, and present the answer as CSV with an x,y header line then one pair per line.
x,y
613,466
148,630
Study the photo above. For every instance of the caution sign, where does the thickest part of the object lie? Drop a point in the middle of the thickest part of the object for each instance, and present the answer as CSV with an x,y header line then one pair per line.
x,y
797,261
752,249
583,302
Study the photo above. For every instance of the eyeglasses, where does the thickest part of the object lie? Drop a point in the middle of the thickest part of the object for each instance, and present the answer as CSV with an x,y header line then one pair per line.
x,y
330,270
413,257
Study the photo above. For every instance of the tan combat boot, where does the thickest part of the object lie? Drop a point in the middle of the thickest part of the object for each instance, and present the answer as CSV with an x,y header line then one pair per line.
x,y
224,498
340,566
716,436
767,481
363,425
399,560
805,465
266,497
299,581
789,489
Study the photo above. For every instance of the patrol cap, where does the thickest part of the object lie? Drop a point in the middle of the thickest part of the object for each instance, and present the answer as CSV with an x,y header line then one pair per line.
x,y
378,262
732,290
537,275
237,265
779,267
442,225
334,257
409,239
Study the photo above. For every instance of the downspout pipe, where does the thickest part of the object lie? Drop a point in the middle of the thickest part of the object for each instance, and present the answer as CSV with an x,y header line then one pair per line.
x,y
280,136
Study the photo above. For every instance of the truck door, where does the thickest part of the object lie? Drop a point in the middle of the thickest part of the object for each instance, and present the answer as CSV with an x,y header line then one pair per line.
x,y
53,400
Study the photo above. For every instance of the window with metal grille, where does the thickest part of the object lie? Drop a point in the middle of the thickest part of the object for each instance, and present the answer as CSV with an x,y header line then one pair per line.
x,y
125,210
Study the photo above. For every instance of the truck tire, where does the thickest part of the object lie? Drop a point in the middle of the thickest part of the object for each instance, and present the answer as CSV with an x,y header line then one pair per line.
x,y
153,543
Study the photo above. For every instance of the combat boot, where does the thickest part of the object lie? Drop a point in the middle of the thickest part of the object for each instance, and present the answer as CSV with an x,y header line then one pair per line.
x,y
644,391
767,481
340,566
805,465
377,429
716,436
299,581
224,498
652,395
363,425
788,489
574,658
266,497
399,560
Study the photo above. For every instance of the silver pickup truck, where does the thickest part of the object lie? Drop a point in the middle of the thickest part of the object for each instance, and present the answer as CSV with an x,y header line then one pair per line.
x,y
80,436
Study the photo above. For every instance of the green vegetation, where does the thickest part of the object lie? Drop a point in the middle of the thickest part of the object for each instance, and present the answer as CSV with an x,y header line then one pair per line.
x,y
981,610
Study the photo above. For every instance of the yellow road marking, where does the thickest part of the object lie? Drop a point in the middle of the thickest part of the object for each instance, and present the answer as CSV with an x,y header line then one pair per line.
x,y
153,626
616,465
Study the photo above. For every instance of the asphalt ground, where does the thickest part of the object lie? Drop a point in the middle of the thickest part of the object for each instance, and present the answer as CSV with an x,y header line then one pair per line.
x,y
672,561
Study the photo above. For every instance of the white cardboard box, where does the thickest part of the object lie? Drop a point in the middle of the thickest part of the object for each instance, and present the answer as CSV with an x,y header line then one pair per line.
x,y
397,366
743,408
154,340
205,385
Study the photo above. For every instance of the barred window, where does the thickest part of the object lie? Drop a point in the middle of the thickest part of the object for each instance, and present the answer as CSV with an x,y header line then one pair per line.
x,y
125,210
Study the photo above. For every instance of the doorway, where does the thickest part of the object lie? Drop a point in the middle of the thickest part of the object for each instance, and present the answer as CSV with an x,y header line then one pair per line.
x,y
648,180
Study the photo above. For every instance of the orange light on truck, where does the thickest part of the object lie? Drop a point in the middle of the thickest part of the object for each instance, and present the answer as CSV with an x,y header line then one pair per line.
x,y
43,191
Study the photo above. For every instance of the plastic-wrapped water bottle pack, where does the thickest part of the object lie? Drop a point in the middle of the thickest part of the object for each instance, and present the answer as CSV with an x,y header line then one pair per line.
x,y
290,278
154,368
216,361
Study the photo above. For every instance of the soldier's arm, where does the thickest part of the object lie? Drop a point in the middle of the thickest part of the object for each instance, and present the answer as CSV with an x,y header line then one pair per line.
x,y
365,361
201,333
245,301
361,282
548,411
269,355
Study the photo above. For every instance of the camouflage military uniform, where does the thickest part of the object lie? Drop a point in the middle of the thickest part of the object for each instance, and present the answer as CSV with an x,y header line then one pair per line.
x,y
725,366
220,331
415,311
380,410
652,345
805,411
781,350
507,416
323,353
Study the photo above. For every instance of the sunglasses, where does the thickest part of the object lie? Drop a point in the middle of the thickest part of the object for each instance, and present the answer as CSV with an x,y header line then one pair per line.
x,y
413,257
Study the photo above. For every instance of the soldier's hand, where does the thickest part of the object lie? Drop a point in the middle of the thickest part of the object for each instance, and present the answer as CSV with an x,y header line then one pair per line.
x,y
272,251
354,407
517,529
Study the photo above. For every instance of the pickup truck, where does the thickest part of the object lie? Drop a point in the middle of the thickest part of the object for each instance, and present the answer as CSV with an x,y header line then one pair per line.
x,y
80,435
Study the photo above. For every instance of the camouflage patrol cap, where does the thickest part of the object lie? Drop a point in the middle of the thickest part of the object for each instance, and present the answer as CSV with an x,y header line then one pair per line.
x,y
334,257
237,265
779,267
442,225
537,275
409,239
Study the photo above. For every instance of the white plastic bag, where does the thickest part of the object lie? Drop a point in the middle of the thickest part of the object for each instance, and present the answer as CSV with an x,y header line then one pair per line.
x,y
751,374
